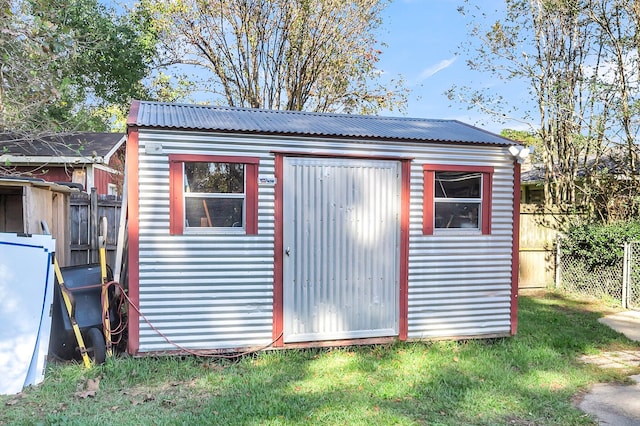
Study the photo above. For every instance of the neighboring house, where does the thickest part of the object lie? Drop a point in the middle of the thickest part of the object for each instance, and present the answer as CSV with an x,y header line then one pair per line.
x,y
92,160
533,175
532,184
250,228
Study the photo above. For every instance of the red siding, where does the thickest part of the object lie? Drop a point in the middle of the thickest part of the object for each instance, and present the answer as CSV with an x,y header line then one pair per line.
x,y
48,173
101,181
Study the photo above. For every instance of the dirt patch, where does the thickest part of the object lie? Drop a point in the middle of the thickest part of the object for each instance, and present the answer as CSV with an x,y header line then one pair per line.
x,y
166,392
580,302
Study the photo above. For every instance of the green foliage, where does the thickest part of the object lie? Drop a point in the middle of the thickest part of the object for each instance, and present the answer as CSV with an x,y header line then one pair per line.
x,y
106,63
599,245
528,138
531,378
66,62
167,88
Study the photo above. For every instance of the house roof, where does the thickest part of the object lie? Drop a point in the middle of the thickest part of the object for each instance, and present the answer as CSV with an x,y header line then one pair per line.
x,y
84,147
259,121
609,163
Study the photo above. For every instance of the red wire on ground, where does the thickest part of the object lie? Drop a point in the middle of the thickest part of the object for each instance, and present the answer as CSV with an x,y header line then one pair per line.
x,y
199,353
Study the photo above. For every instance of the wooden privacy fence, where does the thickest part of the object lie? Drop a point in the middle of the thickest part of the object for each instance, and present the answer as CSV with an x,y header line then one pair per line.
x,y
85,215
538,235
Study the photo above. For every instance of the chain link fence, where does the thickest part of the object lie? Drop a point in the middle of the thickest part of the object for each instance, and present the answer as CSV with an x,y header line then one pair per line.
x,y
619,282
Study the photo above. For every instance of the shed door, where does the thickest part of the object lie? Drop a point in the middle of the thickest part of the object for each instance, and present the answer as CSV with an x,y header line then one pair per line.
x,y
341,234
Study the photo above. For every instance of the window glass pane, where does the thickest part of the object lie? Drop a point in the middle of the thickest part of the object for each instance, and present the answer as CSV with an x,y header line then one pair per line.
x,y
220,178
457,215
458,185
214,212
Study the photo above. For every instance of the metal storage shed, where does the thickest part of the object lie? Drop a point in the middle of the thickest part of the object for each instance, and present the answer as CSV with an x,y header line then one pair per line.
x,y
250,228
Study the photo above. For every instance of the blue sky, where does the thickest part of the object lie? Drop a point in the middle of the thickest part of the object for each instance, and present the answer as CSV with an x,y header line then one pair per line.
x,y
423,37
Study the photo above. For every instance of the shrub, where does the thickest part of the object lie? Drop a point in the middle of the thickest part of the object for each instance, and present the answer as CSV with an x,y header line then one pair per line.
x,y
599,245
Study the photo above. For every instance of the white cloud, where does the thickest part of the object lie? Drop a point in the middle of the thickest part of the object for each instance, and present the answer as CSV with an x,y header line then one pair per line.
x,y
428,72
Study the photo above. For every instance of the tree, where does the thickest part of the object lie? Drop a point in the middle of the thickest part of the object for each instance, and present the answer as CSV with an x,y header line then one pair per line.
x,y
65,63
618,22
543,43
580,60
28,81
317,55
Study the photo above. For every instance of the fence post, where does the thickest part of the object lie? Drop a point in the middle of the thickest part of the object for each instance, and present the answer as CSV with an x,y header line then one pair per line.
x,y
558,262
626,275
93,227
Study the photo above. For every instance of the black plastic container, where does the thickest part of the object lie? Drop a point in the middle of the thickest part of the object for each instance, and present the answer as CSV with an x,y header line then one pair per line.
x,y
84,284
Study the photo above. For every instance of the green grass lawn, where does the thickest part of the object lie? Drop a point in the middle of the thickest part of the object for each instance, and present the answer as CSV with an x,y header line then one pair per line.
x,y
529,379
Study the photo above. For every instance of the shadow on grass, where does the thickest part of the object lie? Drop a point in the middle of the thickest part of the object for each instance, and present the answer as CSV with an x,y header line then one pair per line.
x,y
526,379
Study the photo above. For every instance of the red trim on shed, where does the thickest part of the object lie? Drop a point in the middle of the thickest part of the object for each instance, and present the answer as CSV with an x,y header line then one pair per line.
x,y
405,200
251,200
176,187
278,284
333,155
133,226
176,211
278,290
515,254
213,158
132,118
428,200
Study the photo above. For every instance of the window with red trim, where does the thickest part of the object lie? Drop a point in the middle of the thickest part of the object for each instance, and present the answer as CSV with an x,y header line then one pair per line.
x,y
457,199
213,194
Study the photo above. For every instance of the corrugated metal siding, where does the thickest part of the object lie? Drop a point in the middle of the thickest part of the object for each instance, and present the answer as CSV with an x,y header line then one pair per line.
x,y
201,291
460,285
244,120
341,273
216,291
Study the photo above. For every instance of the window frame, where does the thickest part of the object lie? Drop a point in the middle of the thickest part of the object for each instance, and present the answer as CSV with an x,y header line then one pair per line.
x,y
112,189
429,200
177,196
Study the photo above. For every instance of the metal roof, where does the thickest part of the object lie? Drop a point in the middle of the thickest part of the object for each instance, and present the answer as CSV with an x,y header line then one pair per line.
x,y
259,121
